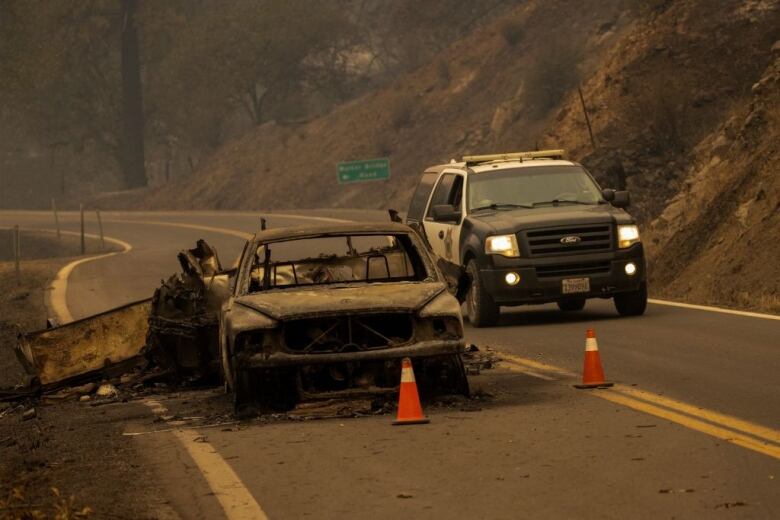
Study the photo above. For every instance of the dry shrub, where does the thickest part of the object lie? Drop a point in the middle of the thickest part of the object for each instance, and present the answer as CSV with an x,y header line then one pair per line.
x,y
512,31
401,112
659,113
555,74
383,145
443,73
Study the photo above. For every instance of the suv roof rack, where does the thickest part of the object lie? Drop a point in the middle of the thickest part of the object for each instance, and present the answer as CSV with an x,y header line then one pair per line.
x,y
515,156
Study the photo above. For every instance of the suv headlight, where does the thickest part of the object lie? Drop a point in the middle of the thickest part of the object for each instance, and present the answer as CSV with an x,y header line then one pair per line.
x,y
504,245
628,235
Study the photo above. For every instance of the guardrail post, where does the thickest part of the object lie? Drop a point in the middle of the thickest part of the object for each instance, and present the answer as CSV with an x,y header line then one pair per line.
x,y
100,227
17,254
83,244
56,217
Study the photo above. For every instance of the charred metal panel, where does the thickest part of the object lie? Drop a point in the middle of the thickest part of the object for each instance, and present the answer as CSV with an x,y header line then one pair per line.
x,y
85,346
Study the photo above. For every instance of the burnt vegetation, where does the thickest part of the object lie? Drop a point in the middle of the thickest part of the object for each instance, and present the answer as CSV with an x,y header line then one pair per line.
x,y
116,94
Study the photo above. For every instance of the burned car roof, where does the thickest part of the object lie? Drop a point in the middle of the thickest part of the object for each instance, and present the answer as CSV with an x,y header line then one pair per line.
x,y
284,233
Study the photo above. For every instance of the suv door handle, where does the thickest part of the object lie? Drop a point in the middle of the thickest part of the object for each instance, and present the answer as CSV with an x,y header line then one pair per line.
x,y
441,234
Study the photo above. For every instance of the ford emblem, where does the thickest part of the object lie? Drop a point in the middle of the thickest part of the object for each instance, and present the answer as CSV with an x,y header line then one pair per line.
x,y
571,240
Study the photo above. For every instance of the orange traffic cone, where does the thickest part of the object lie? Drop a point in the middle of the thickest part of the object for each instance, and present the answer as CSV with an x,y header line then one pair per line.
x,y
592,373
409,409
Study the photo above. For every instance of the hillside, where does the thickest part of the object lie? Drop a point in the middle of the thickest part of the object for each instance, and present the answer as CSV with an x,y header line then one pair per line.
x,y
480,94
670,91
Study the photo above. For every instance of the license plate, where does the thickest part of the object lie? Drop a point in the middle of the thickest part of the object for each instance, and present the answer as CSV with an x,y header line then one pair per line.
x,y
575,285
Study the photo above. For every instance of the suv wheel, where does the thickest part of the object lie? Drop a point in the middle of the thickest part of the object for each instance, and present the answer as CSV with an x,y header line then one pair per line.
x,y
576,304
632,303
482,310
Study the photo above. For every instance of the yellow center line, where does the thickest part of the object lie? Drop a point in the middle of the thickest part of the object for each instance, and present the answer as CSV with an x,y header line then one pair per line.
x,y
737,431
528,371
729,421
692,423
536,365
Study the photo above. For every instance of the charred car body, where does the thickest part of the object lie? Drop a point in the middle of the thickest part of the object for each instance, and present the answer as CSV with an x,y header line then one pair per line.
x,y
307,313
328,311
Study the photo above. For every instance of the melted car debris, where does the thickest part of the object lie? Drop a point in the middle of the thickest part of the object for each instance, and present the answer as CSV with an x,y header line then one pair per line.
x,y
476,360
173,339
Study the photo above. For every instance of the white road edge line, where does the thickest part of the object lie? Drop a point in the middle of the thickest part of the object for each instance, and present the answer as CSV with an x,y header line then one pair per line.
x,y
714,309
56,294
235,499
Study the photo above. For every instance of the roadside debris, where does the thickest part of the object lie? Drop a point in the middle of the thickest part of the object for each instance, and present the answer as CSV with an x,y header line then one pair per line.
x,y
102,346
476,360
729,505
28,414
107,391
336,408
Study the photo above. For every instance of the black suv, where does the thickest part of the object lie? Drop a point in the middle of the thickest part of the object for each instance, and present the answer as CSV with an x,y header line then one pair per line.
x,y
529,228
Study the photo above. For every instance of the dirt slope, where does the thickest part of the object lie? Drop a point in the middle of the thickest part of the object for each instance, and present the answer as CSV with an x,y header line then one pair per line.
x,y
718,240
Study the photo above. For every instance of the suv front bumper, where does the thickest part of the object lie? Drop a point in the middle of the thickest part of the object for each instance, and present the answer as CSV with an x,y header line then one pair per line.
x,y
535,287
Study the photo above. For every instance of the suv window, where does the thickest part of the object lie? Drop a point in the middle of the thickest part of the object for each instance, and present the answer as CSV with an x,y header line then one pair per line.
x,y
420,197
448,191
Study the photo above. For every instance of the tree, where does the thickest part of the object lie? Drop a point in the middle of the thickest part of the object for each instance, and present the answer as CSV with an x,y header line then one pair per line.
x,y
132,142
67,69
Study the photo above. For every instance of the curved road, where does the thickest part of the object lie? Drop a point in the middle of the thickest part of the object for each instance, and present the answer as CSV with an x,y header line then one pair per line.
x,y
539,449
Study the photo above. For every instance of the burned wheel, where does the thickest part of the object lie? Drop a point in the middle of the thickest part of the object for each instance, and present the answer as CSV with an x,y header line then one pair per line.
x,y
482,310
264,390
632,303
441,375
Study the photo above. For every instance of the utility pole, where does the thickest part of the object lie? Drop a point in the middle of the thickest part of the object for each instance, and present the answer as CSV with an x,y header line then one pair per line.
x,y
17,254
83,244
132,142
56,217
587,117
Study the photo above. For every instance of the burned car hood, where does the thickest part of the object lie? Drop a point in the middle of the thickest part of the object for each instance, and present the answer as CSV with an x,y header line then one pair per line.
x,y
283,304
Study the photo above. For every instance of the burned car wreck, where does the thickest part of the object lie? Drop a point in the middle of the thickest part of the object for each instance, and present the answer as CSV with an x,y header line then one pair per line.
x,y
307,313
323,312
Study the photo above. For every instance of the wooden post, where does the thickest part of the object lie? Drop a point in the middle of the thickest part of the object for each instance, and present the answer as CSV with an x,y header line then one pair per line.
x,y
56,217
587,118
100,227
17,254
83,244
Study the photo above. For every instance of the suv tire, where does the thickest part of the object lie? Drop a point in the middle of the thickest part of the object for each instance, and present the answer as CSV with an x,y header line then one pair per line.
x,y
632,303
482,310
576,304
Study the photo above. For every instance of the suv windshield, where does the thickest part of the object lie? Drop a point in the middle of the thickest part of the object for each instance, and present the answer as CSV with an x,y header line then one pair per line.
x,y
530,187
344,259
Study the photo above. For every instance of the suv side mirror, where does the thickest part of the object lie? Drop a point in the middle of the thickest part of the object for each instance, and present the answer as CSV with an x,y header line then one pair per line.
x,y
622,199
619,199
445,213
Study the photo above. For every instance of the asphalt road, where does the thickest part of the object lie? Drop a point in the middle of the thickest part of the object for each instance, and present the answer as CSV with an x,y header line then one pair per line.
x,y
704,441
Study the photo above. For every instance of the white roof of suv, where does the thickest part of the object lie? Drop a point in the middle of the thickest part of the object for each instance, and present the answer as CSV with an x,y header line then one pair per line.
x,y
483,163
494,165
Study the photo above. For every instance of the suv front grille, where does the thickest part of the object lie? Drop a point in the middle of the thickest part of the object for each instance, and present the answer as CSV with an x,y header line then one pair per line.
x,y
347,333
570,270
593,238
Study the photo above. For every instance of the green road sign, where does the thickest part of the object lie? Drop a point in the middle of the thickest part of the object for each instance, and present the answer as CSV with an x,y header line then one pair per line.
x,y
360,171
